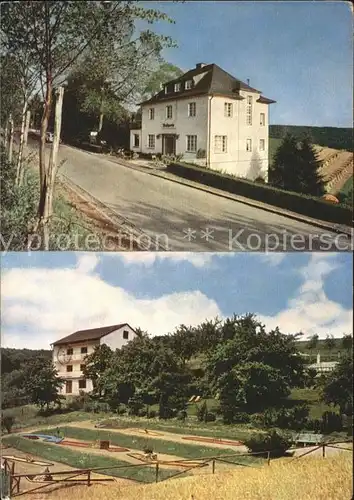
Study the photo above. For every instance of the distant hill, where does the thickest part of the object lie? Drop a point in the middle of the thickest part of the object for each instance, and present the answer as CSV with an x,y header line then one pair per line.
x,y
330,137
16,359
326,354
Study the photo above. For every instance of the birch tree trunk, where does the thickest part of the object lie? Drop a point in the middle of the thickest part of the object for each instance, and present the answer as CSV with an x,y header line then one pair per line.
x,y
28,120
6,136
11,138
20,150
100,123
43,174
53,167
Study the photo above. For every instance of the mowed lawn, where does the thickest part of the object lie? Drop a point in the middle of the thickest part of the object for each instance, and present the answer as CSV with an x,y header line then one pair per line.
x,y
183,450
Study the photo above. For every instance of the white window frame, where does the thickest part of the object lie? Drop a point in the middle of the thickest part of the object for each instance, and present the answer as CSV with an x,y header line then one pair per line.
x,y
169,107
228,109
192,109
151,113
191,143
166,89
262,119
220,144
261,144
188,84
177,87
136,140
153,141
249,145
249,110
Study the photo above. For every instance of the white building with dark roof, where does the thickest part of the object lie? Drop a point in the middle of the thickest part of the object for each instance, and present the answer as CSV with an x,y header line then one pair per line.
x,y
211,118
323,366
69,353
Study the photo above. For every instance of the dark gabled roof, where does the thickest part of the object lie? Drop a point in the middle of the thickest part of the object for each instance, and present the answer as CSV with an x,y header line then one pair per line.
x,y
215,81
265,100
92,334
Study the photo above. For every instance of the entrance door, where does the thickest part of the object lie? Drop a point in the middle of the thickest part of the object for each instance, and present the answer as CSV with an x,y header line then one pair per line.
x,y
69,386
169,145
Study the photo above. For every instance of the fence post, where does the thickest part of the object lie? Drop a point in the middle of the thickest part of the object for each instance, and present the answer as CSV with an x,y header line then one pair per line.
x,y
268,458
323,450
213,466
88,478
12,472
157,473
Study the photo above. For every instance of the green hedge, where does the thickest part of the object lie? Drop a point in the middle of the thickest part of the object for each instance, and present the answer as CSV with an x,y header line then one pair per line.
x,y
301,204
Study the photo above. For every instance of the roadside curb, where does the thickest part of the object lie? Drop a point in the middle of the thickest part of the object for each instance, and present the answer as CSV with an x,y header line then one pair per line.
x,y
339,229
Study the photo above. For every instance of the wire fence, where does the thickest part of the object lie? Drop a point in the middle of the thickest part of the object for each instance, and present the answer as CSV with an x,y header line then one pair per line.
x,y
11,482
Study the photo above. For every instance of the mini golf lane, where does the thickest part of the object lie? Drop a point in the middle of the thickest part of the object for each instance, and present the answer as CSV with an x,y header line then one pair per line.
x,y
63,441
213,440
88,444
170,436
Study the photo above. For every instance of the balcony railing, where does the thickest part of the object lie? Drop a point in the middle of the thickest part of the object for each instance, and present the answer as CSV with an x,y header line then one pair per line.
x,y
73,374
71,357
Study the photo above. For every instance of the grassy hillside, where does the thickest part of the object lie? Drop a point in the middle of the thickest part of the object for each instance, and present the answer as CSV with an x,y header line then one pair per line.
x,y
326,354
331,137
305,479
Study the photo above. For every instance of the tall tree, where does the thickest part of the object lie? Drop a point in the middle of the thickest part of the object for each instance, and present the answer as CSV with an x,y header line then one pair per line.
x,y
164,73
347,342
62,34
313,341
329,342
310,180
283,171
42,383
253,361
337,389
296,167
96,364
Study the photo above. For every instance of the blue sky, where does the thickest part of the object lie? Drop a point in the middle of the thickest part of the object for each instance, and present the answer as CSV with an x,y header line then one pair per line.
x,y
297,53
48,295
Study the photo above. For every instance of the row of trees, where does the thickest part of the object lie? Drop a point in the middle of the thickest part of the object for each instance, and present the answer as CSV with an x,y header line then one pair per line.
x,y
329,343
235,361
330,137
45,42
296,167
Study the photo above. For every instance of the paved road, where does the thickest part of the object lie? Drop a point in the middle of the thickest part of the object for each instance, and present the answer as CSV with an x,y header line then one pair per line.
x,y
177,217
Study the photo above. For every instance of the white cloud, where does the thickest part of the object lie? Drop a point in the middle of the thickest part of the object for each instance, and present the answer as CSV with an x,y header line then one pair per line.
x,y
87,262
147,259
53,303
271,258
311,311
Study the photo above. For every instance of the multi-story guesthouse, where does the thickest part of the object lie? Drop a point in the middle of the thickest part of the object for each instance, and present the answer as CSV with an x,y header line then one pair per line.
x,y
209,117
69,353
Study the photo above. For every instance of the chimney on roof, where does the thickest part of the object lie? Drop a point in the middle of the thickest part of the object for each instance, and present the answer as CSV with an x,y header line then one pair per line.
x,y
248,81
200,65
